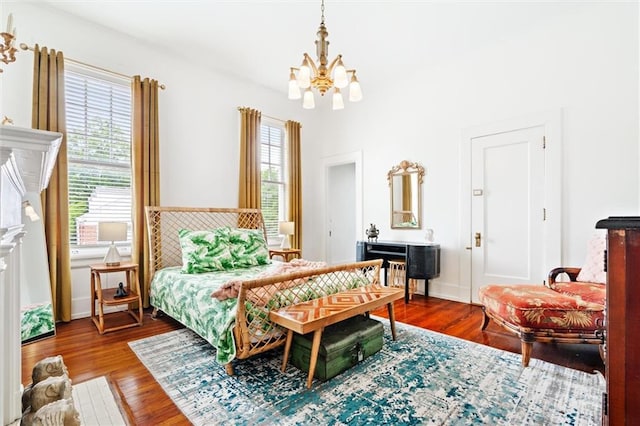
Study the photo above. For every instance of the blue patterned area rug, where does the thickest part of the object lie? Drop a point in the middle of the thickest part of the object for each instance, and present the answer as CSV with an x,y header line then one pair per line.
x,y
421,378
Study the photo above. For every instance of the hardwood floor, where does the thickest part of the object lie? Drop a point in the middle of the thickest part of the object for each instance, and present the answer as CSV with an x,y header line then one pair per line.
x,y
87,354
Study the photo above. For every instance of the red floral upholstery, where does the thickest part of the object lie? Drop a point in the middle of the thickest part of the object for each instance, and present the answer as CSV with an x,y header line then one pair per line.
x,y
590,292
564,312
539,308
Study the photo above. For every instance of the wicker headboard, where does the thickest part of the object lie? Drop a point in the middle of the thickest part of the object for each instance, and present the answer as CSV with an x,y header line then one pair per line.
x,y
163,224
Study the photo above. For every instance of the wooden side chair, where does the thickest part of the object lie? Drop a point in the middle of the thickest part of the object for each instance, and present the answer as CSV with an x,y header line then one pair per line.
x,y
562,311
397,270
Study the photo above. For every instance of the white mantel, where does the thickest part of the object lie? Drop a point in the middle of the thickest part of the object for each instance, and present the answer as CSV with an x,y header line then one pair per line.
x,y
27,158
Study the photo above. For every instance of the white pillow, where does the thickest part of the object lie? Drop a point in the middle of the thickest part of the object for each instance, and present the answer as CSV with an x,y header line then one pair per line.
x,y
593,269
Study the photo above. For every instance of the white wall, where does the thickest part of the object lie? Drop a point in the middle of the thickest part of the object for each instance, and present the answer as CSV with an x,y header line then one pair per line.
x,y
585,63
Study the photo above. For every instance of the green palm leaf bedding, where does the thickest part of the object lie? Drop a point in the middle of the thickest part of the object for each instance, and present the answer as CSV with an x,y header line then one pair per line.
x,y
187,298
36,320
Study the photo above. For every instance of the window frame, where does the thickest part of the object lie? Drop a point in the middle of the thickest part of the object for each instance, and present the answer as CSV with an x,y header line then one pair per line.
x,y
98,249
273,237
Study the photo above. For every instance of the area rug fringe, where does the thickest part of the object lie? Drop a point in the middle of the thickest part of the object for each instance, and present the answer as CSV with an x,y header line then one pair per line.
x,y
423,377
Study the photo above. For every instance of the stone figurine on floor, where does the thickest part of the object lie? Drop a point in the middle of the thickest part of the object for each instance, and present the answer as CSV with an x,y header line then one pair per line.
x,y
47,399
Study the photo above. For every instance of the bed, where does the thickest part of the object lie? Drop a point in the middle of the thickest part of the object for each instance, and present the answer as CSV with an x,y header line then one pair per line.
x,y
229,305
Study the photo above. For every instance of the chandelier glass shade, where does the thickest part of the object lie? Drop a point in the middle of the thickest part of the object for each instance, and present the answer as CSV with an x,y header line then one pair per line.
x,y
323,76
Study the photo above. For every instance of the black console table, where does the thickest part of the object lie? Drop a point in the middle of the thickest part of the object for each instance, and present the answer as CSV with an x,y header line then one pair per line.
x,y
422,260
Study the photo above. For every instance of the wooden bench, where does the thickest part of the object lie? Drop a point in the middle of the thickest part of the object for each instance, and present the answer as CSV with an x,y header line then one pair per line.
x,y
317,314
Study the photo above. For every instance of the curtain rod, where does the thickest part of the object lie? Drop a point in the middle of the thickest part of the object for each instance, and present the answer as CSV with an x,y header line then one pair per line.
x,y
265,115
273,118
24,46
276,119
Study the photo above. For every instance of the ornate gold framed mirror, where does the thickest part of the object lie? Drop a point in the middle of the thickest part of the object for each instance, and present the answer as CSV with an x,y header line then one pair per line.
x,y
405,184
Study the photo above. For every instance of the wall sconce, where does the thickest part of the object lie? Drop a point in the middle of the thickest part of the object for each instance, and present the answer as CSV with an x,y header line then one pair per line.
x,y
112,231
285,229
30,211
7,50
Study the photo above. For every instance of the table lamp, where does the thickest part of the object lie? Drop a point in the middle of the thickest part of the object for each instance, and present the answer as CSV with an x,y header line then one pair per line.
x,y
112,231
285,229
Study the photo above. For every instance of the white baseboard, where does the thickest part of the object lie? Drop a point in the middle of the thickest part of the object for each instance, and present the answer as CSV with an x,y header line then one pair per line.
x,y
448,291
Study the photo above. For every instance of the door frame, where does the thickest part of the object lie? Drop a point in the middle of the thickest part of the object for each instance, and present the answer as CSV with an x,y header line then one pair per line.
x,y
354,158
552,238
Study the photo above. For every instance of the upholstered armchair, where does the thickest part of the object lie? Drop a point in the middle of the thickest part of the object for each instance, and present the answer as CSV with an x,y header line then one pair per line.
x,y
561,311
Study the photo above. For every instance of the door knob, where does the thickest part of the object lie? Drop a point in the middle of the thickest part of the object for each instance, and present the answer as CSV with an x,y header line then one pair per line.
x,y
478,238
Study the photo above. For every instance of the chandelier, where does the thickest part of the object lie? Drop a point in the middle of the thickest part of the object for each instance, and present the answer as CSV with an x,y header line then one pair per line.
x,y
323,77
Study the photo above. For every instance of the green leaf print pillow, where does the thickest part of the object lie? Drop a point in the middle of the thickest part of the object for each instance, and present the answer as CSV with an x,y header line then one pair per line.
x,y
205,251
248,247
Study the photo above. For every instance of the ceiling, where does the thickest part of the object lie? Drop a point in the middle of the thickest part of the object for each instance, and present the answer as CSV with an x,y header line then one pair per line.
x,y
259,40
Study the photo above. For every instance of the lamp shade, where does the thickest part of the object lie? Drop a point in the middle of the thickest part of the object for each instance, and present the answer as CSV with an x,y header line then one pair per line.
x,y
304,75
340,76
294,88
112,231
308,102
355,91
286,228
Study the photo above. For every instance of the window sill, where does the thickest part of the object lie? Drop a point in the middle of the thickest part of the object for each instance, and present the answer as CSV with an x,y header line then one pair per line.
x,y
85,256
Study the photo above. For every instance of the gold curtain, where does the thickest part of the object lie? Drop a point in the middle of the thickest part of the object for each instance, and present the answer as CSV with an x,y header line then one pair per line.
x,y
48,113
249,195
145,164
295,182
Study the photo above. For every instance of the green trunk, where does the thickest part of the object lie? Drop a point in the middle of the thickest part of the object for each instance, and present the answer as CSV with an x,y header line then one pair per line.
x,y
343,345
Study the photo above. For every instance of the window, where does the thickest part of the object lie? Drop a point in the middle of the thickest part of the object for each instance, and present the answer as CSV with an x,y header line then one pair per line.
x,y
98,113
273,175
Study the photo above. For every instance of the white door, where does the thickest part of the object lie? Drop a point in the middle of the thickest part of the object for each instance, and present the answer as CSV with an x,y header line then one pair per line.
x,y
507,208
341,212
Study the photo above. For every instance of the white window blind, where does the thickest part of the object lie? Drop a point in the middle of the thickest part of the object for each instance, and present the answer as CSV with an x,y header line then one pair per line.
x,y
273,174
98,115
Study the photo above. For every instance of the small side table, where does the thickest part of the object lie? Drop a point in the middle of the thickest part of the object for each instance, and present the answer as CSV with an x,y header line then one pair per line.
x,y
107,296
286,254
